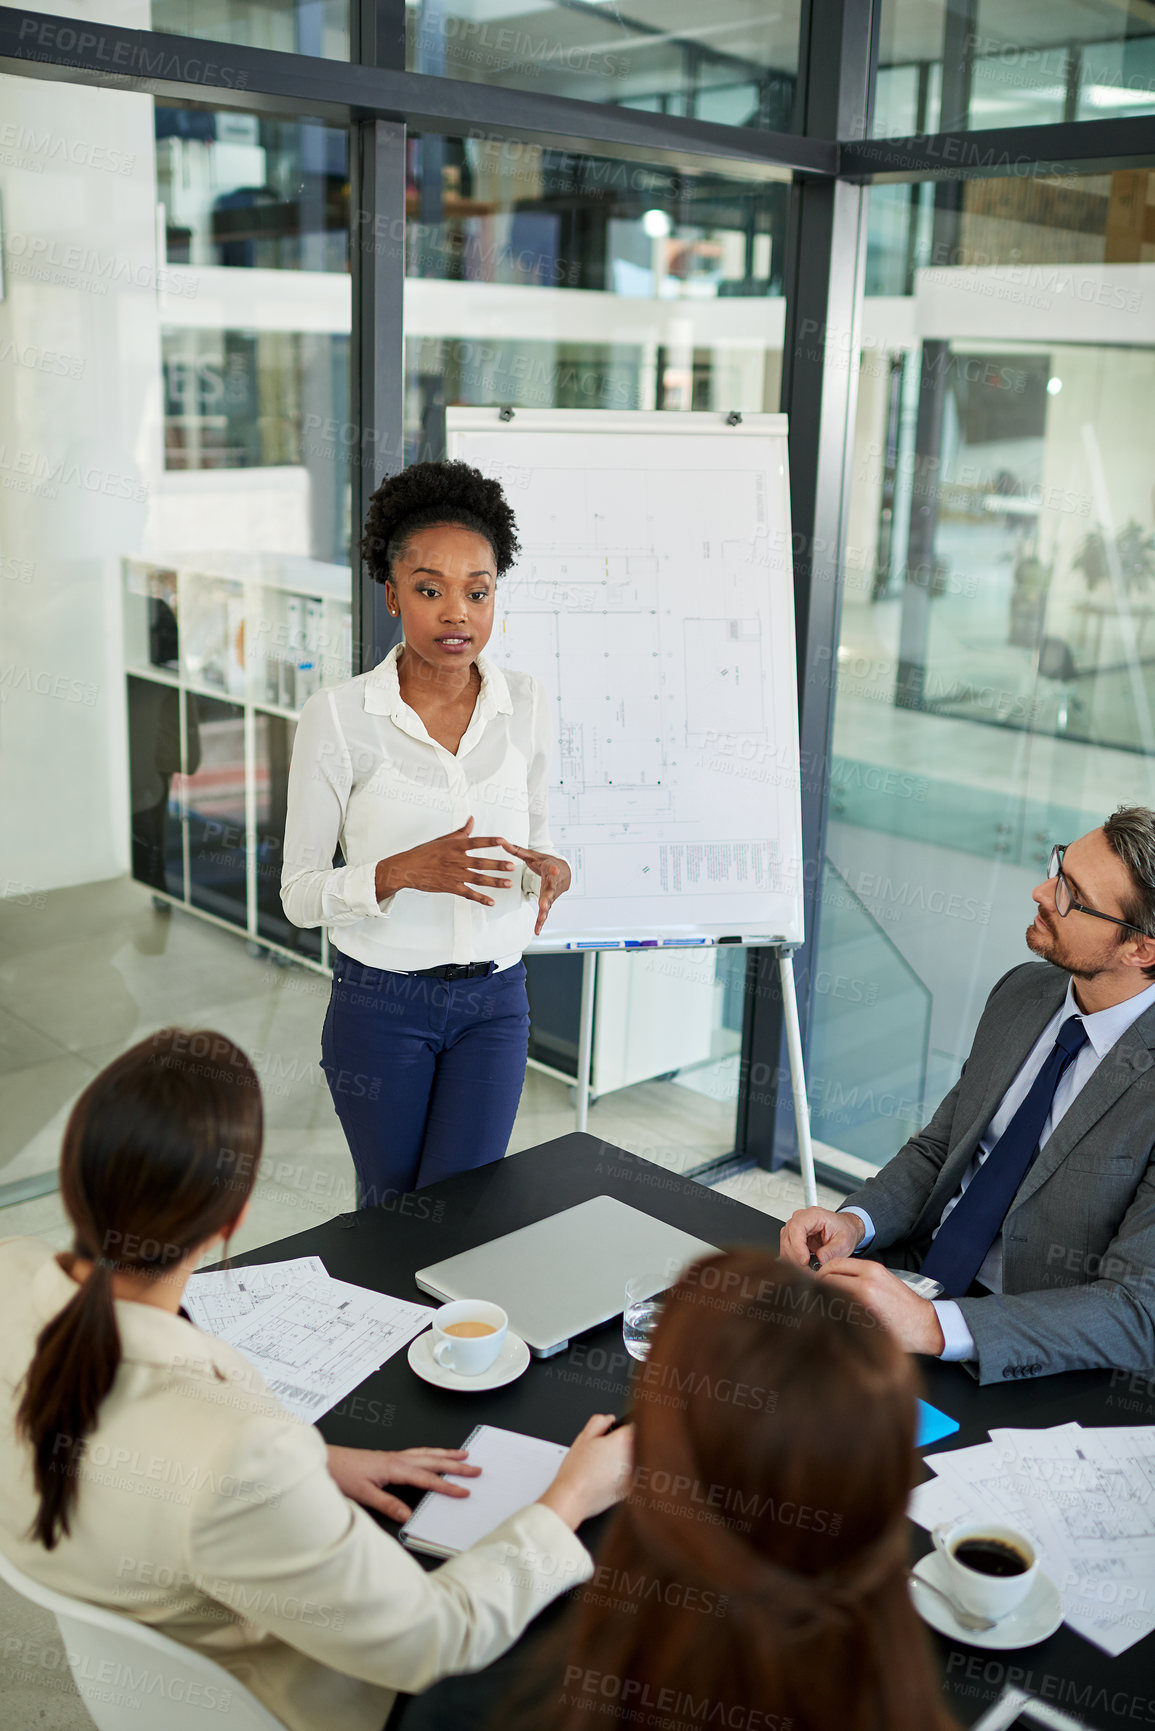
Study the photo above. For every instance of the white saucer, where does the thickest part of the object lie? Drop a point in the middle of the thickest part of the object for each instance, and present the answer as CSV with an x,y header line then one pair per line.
x,y
506,1367
1038,1616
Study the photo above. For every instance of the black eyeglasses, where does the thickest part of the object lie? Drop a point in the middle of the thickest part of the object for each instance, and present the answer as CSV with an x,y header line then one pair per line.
x,y
1065,901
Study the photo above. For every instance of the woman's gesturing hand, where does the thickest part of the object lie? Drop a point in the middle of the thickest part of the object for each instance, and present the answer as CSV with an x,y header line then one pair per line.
x,y
448,865
553,872
362,1472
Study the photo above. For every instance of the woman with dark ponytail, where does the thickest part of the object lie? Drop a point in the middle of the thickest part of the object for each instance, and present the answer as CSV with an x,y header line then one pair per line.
x,y
137,1220
755,1574
146,1468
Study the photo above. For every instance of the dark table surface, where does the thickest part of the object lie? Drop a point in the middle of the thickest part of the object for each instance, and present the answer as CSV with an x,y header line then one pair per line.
x,y
382,1248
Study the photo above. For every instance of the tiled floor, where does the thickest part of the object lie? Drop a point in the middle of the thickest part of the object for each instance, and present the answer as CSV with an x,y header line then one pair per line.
x,y
86,972
306,1175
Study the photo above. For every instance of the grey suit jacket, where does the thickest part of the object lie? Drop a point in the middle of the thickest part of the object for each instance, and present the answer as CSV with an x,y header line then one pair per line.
x,y
1079,1237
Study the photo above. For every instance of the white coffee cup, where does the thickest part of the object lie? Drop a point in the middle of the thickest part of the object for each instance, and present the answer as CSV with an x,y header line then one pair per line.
x,y
468,1355
987,1595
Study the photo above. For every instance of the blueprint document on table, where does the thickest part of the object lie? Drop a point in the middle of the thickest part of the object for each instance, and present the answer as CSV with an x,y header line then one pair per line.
x,y
222,1296
315,1342
1087,1500
1091,1503
654,603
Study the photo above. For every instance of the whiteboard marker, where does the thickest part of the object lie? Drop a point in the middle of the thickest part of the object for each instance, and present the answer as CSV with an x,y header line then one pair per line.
x,y
640,944
681,943
600,944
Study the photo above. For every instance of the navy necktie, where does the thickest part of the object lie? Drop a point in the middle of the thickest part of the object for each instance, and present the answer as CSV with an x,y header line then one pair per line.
x,y
973,1224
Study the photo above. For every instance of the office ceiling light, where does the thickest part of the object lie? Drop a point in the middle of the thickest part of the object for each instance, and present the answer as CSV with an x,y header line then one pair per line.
x,y
656,224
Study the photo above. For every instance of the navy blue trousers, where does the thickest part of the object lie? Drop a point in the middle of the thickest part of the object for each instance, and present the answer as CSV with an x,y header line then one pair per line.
x,y
425,1074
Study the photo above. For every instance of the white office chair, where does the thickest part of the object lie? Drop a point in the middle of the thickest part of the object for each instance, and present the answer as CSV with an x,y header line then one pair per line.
x,y
131,1678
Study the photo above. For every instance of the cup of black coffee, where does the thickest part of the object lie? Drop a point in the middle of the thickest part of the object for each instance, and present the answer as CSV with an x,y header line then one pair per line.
x,y
990,1568
991,1556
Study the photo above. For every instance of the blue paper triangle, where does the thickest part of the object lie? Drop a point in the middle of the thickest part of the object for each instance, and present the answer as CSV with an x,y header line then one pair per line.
x,y
932,1425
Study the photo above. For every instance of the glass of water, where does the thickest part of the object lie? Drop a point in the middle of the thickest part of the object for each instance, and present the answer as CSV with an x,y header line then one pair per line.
x,y
643,1306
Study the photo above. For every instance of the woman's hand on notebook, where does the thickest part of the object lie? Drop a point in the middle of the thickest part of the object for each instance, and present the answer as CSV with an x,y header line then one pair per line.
x,y
361,1473
595,1473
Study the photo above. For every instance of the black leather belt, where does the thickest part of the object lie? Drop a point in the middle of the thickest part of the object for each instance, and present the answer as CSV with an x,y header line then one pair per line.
x,y
455,971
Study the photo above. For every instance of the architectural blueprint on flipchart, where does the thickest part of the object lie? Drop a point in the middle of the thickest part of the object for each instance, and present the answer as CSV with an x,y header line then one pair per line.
x,y
653,599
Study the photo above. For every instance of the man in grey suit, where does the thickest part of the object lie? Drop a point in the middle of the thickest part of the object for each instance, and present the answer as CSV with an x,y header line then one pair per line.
x,y
1048,1263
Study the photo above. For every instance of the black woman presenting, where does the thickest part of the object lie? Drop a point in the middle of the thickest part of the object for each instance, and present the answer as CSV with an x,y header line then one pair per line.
x,y
431,774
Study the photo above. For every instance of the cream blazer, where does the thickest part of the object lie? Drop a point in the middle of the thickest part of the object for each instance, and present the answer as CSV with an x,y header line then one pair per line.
x,y
208,1512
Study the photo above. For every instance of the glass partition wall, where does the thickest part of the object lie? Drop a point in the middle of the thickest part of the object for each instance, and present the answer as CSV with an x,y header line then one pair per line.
x,y
318,27
175,320
543,279
735,63
996,664
1010,63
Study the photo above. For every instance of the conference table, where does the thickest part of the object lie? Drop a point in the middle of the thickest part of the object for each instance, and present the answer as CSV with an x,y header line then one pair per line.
x,y
382,1248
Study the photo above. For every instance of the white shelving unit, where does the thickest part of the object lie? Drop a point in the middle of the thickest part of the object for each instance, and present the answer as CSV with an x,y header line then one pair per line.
x,y
258,633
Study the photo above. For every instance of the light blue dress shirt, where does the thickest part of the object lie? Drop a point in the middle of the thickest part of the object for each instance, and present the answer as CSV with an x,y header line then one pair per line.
x,y
1104,1029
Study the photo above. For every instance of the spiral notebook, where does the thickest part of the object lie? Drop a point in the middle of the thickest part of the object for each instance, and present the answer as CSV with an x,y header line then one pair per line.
x,y
515,1470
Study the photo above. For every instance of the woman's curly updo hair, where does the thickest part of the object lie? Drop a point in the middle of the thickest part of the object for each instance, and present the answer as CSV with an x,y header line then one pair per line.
x,y
429,493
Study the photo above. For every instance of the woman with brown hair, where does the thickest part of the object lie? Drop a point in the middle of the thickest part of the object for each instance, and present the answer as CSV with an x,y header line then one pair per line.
x,y
755,1574
760,1560
146,1468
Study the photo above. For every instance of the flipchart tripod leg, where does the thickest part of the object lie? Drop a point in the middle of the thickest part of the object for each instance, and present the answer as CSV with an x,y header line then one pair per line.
x,y
797,1077
586,1037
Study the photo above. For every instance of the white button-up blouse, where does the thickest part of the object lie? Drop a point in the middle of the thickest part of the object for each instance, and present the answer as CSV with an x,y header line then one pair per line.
x,y
366,777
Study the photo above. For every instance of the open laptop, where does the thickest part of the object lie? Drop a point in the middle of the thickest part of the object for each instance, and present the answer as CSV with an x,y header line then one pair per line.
x,y
566,1274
